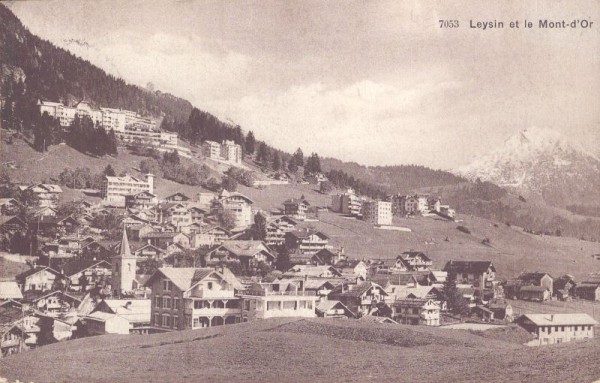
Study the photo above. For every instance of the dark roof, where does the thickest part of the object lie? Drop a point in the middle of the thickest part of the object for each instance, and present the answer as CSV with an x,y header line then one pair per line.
x,y
476,267
355,291
74,266
301,234
532,278
415,254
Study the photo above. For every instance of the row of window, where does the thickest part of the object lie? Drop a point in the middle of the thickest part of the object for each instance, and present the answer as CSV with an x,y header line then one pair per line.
x,y
166,302
562,328
165,320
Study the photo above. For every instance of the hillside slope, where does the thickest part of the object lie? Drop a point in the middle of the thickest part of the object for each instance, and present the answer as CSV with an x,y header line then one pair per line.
x,y
323,350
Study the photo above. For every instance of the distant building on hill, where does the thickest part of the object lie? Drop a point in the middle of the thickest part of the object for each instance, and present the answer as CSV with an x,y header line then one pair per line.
x,y
116,189
347,203
558,328
377,212
227,151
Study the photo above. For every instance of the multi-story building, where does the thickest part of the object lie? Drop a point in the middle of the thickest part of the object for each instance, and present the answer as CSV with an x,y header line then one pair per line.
x,y
377,212
211,149
558,328
306,241
296,208
417,311
232,152
115,189
276,229
248,253
347,203
239,205
480,275
191,298
47,194
276,300
174,213
415,204
417,260
142,200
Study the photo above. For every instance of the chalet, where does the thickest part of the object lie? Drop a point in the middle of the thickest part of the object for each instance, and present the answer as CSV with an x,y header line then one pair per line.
x,y
238,204
319,286
9,290
558,328
306,241
96,273
100,323
47,194
210,236
564,287
148,251
135,311
333,309
417,260
589,288
12,339
137,232
307,259
377,319
164,239
45,211
174,213
12,224
55,302
141,200
361,298
39,278
296,208
177,197
353,268
276,300
479,274
277,228
502,310
417,311
184,298
192,228
54,329
534,293
10,206
198,214
247,253
537,279
312,271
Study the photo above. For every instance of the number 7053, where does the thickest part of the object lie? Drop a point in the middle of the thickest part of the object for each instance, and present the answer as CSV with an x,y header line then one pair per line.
x,y
448,23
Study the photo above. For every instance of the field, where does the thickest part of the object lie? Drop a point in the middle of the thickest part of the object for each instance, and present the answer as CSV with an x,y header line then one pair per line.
x,y
312,350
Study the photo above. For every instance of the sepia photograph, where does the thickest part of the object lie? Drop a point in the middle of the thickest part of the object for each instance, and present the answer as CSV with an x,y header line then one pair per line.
x,y
299,191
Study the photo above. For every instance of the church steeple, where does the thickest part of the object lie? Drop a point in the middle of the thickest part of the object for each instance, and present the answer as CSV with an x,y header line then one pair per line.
x,y
124,250
124,266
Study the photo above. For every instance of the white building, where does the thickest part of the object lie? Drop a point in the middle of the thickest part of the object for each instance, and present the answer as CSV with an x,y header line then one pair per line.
x,y
115,189
211,149
558,328
347,203
377,212
277,300
232,152
239,205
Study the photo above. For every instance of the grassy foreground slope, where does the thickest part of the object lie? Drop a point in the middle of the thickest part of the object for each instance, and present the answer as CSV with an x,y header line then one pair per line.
x,y
313,350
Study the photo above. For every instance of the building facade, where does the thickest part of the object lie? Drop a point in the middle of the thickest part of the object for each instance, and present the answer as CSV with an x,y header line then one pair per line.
x,y
116,189
377,212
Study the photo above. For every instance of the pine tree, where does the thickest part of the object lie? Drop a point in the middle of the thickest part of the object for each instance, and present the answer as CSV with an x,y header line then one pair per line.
x,y
109,171
299,157
292,166
250,143
276,162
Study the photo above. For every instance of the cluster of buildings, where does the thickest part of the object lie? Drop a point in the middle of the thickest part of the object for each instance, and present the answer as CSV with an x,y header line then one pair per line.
x,y
227,151
381,213
129,126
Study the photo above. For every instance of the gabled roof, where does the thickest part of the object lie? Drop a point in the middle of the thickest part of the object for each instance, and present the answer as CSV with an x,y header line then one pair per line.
x,y
178,194
10,290
356,290
305,233
36,270
407,255
312,271
477,267
296,201
245,248
532,278
183,277
134,310
4,219
327,305
561,319
76,266
374,319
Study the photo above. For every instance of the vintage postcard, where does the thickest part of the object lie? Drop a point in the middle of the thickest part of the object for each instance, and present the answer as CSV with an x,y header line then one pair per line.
x,y
299,191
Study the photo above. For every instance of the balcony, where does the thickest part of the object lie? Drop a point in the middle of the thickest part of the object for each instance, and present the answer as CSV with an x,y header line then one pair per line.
x,y
263,293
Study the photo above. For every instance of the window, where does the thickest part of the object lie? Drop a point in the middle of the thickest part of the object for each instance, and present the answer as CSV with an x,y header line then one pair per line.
x,y
166,320
176,303
309,305
166,285
166,302
175,322
209,285
196,323
156,320
157,301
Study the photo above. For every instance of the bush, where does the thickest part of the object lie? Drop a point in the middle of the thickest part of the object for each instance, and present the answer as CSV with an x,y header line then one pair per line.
x,y
463,229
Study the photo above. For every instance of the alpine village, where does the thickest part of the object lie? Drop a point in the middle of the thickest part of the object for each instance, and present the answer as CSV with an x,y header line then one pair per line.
x,y
128,211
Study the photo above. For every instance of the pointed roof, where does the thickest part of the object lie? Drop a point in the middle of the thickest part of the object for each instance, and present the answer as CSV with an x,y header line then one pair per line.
x,y
124,250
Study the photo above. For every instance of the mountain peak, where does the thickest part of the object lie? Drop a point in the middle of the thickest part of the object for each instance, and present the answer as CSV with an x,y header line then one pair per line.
x,y
539,161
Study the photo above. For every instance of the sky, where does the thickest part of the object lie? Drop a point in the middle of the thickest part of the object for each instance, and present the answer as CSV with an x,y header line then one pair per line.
x,y
377,82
